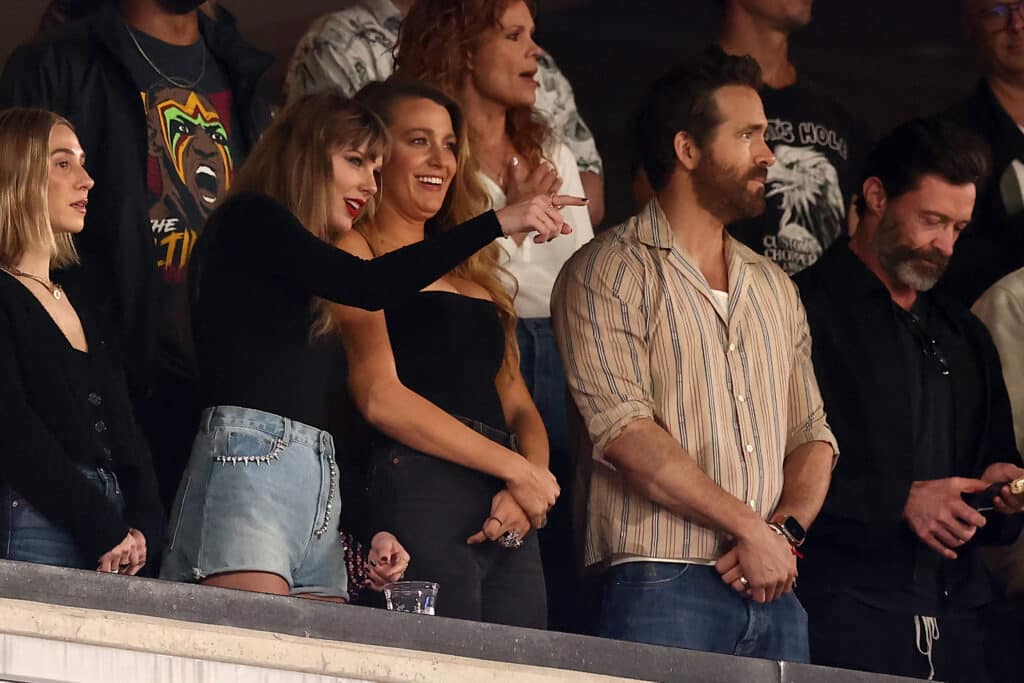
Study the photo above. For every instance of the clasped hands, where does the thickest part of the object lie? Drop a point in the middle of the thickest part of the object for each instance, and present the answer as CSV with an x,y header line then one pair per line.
x,y
522,505
761,566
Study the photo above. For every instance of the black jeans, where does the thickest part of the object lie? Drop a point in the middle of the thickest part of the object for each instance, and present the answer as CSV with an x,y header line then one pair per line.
x,y
433,506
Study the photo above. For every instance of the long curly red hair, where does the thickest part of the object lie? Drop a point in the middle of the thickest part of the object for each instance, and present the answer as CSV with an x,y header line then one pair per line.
x,y
434,44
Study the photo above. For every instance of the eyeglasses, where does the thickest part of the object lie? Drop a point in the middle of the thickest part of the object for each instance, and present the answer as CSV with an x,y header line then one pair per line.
x,y
929,346
999,16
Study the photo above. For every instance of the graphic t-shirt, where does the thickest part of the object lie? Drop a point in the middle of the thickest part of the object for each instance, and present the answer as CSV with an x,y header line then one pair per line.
x,y
189,166
818,156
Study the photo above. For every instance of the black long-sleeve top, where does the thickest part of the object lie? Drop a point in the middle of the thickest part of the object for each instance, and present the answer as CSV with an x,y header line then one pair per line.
x,y
59,409
860,540
254,277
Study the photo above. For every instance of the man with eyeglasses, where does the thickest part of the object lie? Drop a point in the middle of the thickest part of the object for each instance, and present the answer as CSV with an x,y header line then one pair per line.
x,y
994,245
891,578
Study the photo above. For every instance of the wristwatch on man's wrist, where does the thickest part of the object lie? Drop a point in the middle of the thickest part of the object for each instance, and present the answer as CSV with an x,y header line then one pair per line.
x,y
792,530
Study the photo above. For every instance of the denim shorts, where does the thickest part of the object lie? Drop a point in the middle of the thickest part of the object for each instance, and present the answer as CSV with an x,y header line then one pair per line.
x,y
26,535
260,494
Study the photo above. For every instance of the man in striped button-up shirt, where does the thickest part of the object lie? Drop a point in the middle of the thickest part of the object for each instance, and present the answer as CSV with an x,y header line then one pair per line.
x,y
688,356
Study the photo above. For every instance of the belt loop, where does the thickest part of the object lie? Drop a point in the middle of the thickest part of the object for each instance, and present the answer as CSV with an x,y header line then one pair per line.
x,y
286,431
208,419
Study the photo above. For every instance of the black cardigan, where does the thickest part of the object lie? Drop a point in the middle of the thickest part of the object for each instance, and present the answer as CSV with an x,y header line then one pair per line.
x,y
860,537
48,428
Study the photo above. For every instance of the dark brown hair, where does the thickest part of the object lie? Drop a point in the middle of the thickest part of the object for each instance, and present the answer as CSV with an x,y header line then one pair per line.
x,y
926,146
684,100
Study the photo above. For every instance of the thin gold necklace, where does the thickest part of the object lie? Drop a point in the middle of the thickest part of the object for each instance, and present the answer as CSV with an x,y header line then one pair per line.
x,y
52,287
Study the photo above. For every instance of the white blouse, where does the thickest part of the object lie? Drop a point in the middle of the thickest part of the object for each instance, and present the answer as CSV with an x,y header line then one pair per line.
x,y
535,266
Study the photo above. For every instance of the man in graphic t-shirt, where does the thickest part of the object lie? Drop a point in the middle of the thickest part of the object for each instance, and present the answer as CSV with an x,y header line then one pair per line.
x,y
816,143
164,101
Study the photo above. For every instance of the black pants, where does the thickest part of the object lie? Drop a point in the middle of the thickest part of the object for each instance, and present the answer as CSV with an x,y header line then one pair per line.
x,y
846,633
433,506
169,418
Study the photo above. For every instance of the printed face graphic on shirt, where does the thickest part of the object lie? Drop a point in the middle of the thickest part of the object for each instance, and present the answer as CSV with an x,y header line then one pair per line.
x,y
190,169
196,144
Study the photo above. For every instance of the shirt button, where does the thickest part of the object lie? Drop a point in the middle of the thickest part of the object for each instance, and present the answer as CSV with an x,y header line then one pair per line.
x,y
750,448
95,399
732,347
752,505
741,398
14,504
100,426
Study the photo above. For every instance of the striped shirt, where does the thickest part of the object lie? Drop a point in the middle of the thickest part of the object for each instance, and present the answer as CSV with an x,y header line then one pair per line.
x,y
642,336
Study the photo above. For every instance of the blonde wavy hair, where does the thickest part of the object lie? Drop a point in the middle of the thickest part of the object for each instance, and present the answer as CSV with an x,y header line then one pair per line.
x,y
466,199
291,163
24,181
435,42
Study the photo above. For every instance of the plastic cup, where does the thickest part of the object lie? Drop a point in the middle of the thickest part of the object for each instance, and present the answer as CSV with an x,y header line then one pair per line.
x,y
416,597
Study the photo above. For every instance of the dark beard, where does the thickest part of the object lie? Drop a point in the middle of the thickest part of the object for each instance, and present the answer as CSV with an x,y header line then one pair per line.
x,y
723,192
180,6
903,263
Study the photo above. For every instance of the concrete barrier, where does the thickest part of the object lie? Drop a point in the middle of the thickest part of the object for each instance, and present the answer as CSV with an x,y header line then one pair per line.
x,y
179,632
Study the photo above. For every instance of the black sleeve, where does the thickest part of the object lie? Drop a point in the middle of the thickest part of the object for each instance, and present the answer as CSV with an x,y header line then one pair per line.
x,y
33,463
262,231
27,81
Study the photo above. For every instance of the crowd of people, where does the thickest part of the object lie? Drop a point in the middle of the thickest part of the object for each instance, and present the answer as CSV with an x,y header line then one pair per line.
x,y
374,336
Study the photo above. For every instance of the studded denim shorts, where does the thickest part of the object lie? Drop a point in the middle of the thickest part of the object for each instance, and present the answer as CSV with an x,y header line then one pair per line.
x,y
260,494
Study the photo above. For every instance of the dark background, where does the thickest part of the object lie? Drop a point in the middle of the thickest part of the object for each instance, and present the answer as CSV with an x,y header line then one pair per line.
x,y
886,60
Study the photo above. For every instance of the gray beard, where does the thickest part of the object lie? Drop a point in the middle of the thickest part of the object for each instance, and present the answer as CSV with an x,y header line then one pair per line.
x,y
899,260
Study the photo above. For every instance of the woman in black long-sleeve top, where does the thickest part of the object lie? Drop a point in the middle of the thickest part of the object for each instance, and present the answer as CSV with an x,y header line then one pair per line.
x,y
77,487
257,508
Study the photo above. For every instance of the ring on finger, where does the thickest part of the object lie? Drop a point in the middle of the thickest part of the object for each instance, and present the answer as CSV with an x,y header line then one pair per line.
x,y
511,539
744,581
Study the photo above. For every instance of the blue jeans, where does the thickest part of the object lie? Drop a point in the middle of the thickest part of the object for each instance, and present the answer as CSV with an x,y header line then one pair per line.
x,y
28,536
541,365
688,606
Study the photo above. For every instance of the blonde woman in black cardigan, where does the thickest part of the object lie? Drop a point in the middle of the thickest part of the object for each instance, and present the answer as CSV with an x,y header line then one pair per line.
x,y
77,487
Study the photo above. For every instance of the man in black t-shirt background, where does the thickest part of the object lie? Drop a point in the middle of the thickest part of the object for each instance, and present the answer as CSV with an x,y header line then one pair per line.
x,y
165,102
817,144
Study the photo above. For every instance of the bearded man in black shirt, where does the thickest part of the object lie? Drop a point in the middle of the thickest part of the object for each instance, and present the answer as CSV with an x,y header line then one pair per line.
x,y
891,580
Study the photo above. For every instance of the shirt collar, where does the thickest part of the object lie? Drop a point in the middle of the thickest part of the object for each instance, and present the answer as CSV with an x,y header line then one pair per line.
x,y
653,229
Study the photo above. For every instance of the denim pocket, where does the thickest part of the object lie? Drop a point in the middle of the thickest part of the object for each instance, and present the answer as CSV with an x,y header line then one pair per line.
x,y
25,516
640,574
249,446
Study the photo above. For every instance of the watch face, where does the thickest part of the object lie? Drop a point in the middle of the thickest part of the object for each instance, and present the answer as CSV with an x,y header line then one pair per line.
x,y
795,529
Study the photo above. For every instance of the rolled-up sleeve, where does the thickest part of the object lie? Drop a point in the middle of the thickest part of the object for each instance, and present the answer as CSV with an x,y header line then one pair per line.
x,y
805,409
598,312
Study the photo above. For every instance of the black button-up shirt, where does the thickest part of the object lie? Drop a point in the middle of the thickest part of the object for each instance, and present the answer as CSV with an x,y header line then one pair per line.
x,y
898,419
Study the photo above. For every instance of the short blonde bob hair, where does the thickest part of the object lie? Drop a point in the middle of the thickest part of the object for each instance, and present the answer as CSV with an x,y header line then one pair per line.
x,y
24,176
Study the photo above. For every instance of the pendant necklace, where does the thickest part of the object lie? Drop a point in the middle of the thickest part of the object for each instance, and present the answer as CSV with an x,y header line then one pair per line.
x,y
52,287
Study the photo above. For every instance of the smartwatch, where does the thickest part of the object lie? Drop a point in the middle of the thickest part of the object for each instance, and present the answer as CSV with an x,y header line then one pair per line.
x,y
793,531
